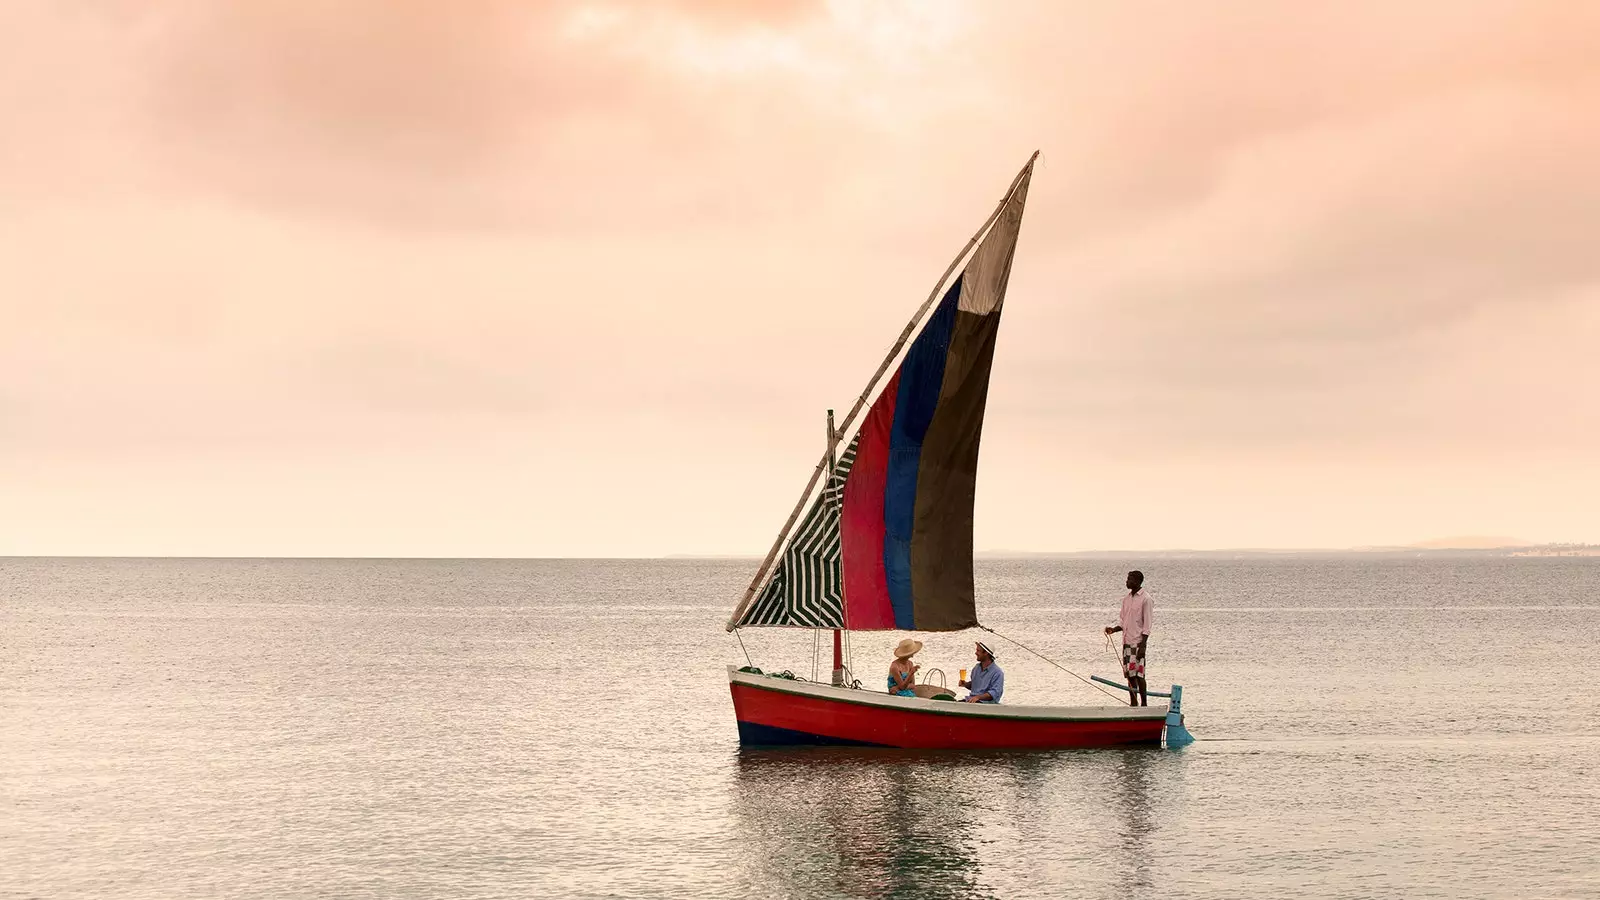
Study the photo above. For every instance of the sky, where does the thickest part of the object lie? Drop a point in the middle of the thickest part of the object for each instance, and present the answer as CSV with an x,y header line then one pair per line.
x,y
482,278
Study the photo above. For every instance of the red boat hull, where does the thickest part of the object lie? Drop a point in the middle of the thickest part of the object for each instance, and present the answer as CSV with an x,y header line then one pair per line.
x,y
775,711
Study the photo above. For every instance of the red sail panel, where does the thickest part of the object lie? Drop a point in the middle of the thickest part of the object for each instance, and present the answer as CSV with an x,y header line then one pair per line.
x,y
866,587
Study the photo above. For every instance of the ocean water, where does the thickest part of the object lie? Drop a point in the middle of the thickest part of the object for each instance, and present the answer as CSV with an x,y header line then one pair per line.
x,y
479,728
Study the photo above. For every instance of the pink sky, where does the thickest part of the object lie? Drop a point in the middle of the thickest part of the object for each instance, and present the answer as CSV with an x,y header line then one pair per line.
x,y
377,277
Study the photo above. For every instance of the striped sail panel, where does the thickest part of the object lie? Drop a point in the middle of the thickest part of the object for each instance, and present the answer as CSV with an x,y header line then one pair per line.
x,y
807,589
908,510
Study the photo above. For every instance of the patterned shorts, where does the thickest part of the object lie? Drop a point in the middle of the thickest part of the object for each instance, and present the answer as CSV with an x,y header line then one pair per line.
x,y
1132,661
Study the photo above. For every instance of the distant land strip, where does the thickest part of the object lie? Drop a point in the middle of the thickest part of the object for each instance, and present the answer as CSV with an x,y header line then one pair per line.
x,y
1512,550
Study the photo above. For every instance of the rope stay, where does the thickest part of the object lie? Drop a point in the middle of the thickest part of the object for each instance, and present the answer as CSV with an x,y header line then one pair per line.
x,y
1052,662
740,638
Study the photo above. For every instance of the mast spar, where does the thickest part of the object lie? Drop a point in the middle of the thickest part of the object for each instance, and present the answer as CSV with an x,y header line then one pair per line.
x,y
833,508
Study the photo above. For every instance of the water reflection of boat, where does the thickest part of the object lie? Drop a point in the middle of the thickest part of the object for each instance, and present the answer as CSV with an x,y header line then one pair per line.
x,y
887,542
851,822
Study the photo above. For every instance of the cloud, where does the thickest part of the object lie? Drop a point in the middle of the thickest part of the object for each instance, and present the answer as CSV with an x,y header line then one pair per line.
x,y
653,237
557,117
1265,218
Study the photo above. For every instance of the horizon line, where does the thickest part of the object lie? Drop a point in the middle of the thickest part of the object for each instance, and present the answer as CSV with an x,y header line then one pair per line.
x,y
978,554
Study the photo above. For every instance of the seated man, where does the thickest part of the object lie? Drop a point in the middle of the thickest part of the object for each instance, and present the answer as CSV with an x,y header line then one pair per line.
x,y
988,681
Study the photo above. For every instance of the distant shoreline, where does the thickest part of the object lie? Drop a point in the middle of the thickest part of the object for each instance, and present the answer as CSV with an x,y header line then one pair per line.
x,y
1259,553
1252,553
1524,551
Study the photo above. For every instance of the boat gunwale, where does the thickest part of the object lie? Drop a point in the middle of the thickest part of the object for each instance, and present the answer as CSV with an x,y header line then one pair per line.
x,y
829,692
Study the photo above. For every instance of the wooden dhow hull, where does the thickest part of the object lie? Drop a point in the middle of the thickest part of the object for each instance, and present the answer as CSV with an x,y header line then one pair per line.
x,y
774,711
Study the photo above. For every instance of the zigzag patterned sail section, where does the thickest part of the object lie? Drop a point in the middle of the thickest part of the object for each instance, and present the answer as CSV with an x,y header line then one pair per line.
x,y
807,590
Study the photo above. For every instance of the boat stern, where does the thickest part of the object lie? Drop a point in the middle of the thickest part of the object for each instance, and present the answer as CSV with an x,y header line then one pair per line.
x,y
1176,734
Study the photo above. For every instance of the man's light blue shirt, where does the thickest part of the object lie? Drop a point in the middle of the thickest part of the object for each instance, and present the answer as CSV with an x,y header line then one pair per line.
x,y
988,679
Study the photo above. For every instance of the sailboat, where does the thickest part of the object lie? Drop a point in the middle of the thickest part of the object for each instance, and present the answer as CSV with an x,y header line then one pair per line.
x,y
886,543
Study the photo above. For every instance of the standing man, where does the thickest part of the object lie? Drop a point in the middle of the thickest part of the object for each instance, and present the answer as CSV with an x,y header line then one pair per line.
x,y
988,682
1134,623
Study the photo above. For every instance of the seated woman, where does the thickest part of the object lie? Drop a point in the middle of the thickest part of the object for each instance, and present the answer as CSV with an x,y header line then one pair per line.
x,y
902,672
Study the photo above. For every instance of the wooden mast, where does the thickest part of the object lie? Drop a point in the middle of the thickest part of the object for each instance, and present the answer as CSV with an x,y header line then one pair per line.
x,y
844,606
861,401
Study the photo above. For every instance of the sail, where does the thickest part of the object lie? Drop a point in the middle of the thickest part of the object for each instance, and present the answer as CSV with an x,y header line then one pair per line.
x,y
887,544
907,518
807,589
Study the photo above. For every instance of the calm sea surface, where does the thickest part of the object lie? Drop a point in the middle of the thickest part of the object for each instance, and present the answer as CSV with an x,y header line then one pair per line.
x,y
378,728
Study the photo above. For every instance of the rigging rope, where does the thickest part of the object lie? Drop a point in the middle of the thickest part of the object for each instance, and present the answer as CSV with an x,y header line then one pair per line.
x,y
740,639
1113,647
1054,663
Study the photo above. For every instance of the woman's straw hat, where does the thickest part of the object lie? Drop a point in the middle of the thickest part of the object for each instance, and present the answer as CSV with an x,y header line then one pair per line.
x,y
907,649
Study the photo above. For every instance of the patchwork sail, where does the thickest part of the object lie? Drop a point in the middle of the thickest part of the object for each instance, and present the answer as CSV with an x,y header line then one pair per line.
x,y
887,544
907,517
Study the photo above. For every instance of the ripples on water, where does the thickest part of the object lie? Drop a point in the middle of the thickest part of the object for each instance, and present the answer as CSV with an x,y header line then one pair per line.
x,y
296,728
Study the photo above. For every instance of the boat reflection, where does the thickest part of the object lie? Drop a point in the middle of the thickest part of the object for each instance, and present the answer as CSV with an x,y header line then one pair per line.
x,y
1130,777
860,823
832,821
